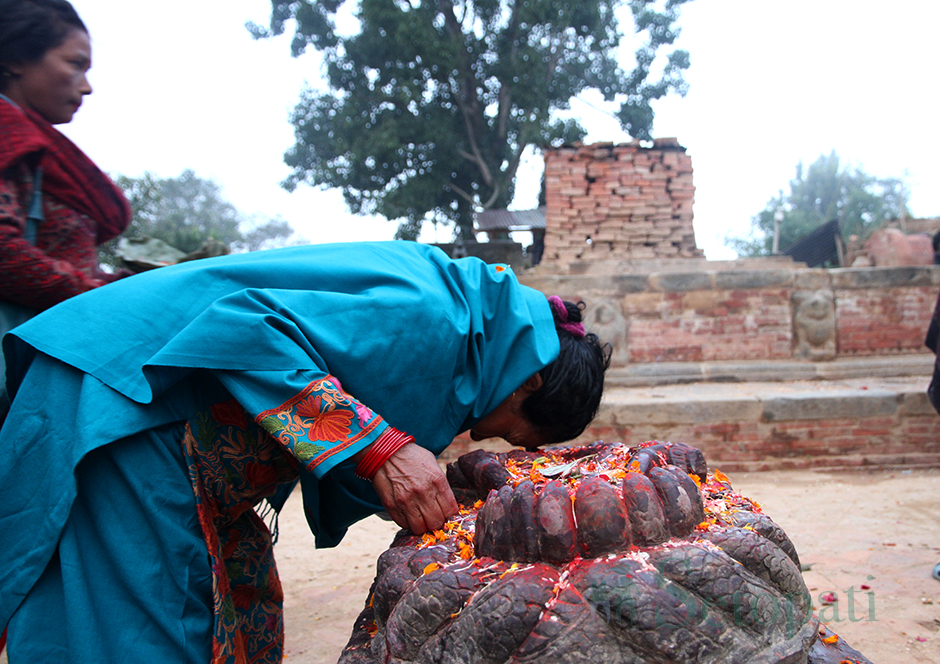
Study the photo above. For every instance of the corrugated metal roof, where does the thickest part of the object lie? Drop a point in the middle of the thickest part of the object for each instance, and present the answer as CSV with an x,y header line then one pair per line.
x,y
506,220
817,248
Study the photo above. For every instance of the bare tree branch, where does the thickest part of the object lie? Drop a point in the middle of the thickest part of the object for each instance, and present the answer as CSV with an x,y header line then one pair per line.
x,y
460,192
492,199
465,95
505,89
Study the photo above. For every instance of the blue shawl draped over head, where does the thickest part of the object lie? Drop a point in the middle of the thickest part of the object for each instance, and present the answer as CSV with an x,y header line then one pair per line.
x,y
430,344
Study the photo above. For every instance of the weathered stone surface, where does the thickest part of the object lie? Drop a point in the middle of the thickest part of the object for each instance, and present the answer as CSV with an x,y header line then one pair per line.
x,y
892,247
636,410
831,405
746,279
602,522
654,568
682,281
557,535
811,279
915,403
616,285
881,277
814,325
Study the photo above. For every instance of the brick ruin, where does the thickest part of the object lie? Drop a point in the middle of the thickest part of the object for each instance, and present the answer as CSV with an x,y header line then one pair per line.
x,y
673,318
618,201
763,320
618,234
751,311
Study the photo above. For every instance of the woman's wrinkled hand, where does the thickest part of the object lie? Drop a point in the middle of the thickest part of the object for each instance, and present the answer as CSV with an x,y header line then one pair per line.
x,y
414,490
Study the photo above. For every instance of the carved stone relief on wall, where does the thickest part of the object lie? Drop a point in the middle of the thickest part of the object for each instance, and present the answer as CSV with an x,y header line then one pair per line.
x,y
605,319
814,325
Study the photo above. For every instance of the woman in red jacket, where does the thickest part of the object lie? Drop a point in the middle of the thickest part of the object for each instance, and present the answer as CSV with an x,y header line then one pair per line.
x,y
56,206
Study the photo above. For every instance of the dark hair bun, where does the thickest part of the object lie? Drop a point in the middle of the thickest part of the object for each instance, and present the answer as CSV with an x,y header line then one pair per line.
x,y
574,311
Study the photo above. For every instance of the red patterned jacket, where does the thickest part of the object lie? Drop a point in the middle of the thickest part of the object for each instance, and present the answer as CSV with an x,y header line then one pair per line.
x,y
82,209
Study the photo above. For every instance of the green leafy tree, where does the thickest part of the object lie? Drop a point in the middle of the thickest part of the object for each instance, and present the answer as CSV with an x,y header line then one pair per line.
x,y
259,233
188,211
820,193
431,104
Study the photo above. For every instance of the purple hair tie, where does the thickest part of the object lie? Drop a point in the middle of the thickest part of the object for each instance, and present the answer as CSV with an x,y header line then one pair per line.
x,y
574,329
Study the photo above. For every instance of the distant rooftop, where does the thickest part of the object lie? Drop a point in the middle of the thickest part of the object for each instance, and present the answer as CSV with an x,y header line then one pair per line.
x,y
818,247
506,220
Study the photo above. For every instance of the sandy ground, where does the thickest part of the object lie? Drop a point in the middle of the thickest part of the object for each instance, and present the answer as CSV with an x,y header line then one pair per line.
x,y
879,529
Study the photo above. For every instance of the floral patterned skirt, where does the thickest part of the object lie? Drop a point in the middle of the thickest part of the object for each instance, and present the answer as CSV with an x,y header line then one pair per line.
x,y
233,466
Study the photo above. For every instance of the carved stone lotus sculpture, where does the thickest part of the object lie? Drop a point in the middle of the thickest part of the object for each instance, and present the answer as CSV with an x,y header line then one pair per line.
x,y
599,553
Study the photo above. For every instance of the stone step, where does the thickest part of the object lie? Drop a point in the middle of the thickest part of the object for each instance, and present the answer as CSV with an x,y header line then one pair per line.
x,y
844,414
776,424
666,373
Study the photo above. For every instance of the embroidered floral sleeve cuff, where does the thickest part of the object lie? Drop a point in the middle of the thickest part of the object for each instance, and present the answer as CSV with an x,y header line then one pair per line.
x,y
320,425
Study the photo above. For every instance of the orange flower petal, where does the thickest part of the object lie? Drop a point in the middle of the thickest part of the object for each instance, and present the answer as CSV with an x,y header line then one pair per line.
x,y
721,477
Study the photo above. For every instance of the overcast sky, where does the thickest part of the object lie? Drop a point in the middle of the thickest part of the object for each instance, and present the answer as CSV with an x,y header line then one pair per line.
x,y
180,84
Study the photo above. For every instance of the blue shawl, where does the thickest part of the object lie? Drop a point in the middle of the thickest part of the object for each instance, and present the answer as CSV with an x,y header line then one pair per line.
x,y
429,343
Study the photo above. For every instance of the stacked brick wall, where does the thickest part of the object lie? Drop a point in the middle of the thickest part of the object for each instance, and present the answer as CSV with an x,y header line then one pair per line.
x,y
731,315
688,319
870,429
803,430
875,321
607,201
798,444
703,326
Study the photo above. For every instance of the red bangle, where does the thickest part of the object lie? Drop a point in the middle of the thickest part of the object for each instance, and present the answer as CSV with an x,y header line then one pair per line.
x,y
387,444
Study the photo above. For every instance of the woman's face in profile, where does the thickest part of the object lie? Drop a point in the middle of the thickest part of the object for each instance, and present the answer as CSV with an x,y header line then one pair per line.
x,y
508,423
54,85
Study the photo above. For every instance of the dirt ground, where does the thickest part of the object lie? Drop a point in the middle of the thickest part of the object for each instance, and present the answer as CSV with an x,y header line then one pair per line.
x,y
879,529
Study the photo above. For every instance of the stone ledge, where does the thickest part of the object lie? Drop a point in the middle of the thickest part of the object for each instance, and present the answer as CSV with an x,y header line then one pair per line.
x,y
754,403
857,421
687,275
619,409
830,405
764,401
752,426
884,277
642,266
673,373
830,463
